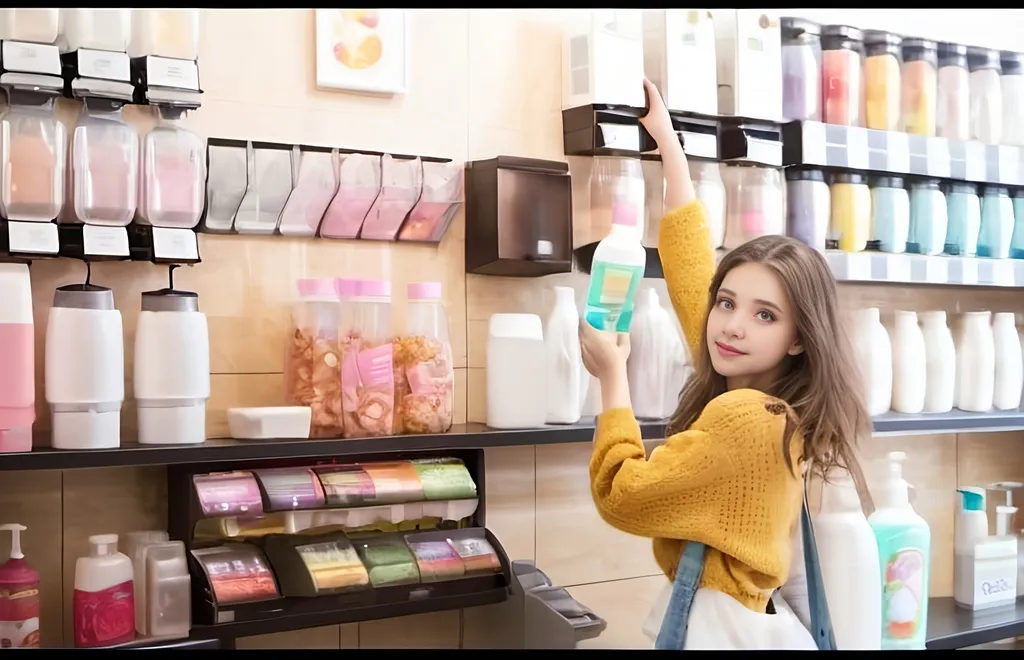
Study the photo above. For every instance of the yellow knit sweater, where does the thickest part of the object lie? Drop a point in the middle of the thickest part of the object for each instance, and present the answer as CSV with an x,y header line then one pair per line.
x,y
725,481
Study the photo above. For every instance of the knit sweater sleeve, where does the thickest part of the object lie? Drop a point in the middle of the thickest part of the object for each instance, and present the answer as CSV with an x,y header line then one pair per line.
x,y
688,261
667,495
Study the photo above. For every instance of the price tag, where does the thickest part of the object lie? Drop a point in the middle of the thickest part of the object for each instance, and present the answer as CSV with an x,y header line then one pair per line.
x,y
897,268
857,148
32,237
938,157
700,145
1009,165
858,266
175,244
897,152
22,57
975,163
617,136
105,241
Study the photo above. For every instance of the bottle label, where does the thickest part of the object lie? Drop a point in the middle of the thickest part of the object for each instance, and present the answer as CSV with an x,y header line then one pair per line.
x,y
610,298
105,618
903,594
19,617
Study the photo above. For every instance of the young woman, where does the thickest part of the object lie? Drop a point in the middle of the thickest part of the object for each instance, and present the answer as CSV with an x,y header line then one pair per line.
x,y
775,395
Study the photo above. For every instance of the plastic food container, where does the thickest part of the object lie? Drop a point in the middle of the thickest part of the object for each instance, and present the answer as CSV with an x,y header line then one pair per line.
x,y
358,187
97,29
312,365
424,369
367,366
269,423
33,147
104,177
165,33
173,178
401,185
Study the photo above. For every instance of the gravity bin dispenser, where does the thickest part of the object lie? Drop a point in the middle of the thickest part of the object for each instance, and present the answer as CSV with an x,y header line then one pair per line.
x,y
297,543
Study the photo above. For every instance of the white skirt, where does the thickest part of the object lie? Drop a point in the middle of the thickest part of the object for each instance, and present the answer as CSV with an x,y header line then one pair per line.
x,y
718,622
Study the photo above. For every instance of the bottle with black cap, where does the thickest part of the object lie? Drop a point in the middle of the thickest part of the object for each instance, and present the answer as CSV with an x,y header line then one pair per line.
x,y
172,367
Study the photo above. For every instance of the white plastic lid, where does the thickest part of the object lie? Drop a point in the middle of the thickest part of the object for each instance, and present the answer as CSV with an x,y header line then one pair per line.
x,y
103,544
516,326
33,147
173,177
897,490
104,176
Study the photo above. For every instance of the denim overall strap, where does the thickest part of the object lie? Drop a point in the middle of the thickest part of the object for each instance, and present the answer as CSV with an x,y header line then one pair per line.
x,y
821,622
672,635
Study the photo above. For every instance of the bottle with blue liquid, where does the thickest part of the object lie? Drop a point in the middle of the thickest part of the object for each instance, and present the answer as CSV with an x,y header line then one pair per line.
x,y
996,223
616,271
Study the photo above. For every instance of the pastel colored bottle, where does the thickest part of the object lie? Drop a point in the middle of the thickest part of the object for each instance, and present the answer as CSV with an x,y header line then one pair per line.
x,y
615,273
19,597
104,598
904,552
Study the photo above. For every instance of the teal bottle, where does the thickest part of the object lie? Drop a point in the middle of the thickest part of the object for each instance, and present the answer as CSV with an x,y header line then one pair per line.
x,y
1017,241
964,209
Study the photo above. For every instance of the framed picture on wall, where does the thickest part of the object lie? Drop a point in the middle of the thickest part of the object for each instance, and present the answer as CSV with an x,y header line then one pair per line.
x,y
362,50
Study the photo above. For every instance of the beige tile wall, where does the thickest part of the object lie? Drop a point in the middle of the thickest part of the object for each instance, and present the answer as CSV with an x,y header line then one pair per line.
x,y
484,83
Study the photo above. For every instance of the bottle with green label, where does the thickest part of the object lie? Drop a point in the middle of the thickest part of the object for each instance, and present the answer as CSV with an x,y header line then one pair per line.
x,y
616,271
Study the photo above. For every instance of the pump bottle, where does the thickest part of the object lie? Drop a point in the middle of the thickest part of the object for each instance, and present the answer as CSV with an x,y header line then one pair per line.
x,y
19,597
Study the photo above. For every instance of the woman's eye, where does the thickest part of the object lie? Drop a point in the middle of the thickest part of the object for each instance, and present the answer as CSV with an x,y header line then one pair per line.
x,y
725,303
765,316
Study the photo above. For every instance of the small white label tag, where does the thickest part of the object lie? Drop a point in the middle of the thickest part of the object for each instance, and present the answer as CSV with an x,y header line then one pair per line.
x,y
175,244
176,74
105,241
104,64
32,237
23,57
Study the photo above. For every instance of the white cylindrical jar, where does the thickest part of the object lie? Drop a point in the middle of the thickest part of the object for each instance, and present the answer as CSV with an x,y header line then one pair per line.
x,y
808,206
1012,83
940,357
84,368
953,116
986,95
516,372
975,363
564,364
874,355
172,368
1009,373
909,364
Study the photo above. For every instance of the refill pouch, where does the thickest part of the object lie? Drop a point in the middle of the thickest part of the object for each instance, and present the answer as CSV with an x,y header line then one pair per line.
x,y
401,184
226,182
358,187
442,196
270,174
316,185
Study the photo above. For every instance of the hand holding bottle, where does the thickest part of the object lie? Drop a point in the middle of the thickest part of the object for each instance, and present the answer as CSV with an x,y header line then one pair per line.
x,y
604,356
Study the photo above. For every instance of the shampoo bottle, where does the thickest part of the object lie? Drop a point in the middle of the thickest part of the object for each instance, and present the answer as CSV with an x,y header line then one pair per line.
x,y
104,598
904,547
19,597
616,271
970,529
853,584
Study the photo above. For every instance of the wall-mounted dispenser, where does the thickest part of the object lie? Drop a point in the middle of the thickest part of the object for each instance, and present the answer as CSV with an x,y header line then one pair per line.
x,y
227,179
315,172
605,63
440,201
270,166
400,189
518,217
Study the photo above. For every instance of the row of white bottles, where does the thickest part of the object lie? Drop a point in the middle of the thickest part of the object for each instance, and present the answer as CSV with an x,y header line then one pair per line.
x,y
535,373
921,366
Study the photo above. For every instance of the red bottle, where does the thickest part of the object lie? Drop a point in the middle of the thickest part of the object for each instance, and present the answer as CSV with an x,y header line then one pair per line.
x,y
19,597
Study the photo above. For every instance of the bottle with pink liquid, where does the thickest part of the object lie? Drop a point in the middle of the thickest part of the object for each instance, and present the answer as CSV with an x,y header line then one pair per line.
x,y
358,187
17,359
755,203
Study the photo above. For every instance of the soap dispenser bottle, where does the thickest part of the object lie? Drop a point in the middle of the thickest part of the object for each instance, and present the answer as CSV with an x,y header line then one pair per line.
x,y
904,549
19,597
104,598
971,528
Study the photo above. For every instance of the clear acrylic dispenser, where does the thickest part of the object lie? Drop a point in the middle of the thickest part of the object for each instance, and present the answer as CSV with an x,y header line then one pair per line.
x,y
227,180
358,187
316,184
271,168
37,26
440,201
401,184
168,33
95,29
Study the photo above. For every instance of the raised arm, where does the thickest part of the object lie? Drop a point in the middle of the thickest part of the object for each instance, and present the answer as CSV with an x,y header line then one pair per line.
x,y
684,241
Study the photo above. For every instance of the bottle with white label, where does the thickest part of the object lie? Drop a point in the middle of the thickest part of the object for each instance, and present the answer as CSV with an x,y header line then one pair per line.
x,y
615,272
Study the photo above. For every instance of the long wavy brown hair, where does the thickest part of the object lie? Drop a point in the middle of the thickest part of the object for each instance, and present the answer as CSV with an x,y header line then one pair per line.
x,y
822,384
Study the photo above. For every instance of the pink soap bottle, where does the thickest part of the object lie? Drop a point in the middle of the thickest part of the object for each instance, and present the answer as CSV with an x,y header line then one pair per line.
x,y
104,598
17,359
19,597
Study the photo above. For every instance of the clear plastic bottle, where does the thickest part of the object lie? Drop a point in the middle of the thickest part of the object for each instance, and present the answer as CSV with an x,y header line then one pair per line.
x,y
996,223
808,206
34,145
953,111
920,86
367,365
707,183
851,211
841,75
104,178
882,80
424,368
929,218
172,183
615,182
615,274
964,210
801,69
165,33
890,214
1012,84
97,29
312,365
986,95
755,203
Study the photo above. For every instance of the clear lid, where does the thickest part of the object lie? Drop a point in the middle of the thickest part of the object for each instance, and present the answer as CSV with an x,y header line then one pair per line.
x,y
33,162
36,25
99,29
103,181
165,33
173,178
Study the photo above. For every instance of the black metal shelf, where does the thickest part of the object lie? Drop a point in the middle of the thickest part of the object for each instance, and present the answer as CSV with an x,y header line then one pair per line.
x,y
462,436
951,627
955,421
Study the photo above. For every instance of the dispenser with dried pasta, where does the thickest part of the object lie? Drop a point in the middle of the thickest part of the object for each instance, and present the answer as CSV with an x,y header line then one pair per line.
x,y
440,201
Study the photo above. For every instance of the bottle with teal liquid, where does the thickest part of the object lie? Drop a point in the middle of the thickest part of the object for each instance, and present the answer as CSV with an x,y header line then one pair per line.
x,y
616,271
1017,240
904,553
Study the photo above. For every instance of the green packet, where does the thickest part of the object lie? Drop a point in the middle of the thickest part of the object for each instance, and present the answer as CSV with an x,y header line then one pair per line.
x,y
445,479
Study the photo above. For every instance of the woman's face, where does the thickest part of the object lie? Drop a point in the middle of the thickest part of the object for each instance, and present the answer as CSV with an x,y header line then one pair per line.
x,y
751,327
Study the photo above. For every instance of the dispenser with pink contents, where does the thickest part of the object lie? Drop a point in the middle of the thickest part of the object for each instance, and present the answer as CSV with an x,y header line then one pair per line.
x,y
401,184
17,359
19,597
104,162
358,187
172,179
441,199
